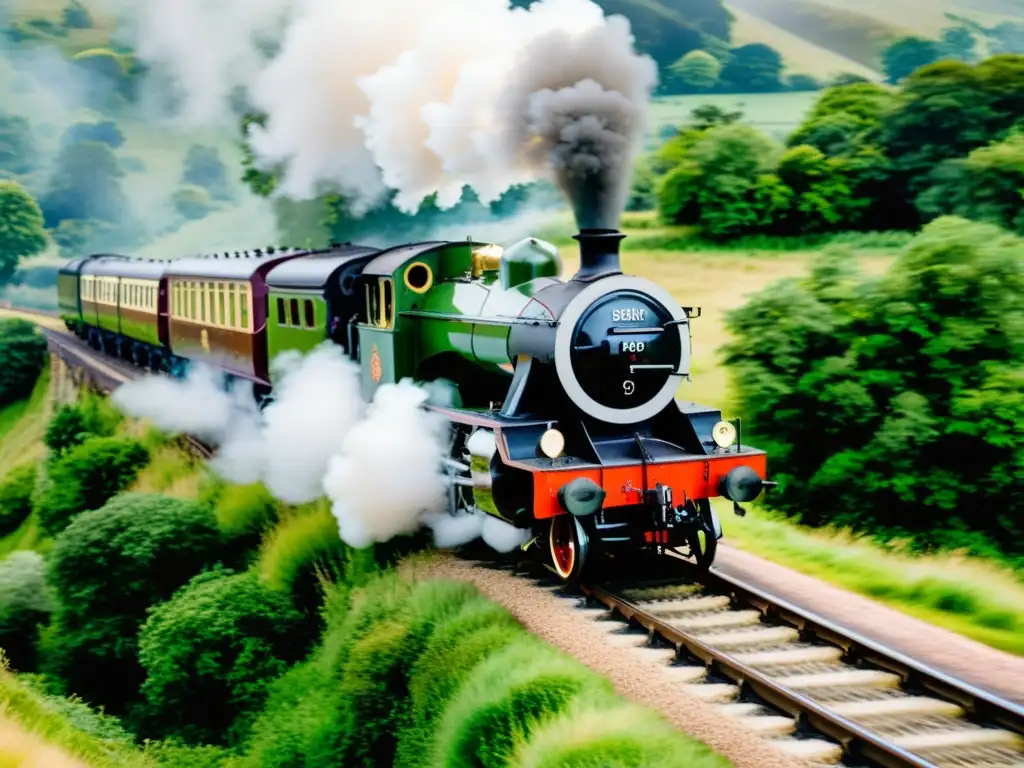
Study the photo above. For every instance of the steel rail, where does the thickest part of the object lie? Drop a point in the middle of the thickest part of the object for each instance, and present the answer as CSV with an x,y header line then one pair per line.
x,y
858,742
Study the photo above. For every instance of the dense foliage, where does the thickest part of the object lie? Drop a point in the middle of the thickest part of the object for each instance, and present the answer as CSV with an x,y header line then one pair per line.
x,y
25,604
422,674
865,158
22,358
87,476
211,652
107,568
16,491
894,405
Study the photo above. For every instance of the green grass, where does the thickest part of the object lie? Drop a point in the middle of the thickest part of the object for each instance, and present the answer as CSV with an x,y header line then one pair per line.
x,y
58,732
22,426
969,596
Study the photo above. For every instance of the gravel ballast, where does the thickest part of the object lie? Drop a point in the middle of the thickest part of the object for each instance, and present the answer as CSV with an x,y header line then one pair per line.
x,y
558,623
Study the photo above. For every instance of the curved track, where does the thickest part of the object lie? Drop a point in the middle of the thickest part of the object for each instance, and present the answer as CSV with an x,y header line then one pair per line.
x,y
820,692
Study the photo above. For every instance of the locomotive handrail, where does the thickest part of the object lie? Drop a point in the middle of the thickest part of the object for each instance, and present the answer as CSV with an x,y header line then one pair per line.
x,y
494,320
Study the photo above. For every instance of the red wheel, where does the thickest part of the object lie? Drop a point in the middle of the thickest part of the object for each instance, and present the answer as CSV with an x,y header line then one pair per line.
x,y
569,545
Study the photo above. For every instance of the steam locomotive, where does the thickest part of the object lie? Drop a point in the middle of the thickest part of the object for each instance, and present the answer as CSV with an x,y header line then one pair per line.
x,y
560,394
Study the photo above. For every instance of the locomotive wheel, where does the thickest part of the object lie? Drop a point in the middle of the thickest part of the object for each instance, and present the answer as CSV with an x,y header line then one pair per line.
x,y
569,546
703,538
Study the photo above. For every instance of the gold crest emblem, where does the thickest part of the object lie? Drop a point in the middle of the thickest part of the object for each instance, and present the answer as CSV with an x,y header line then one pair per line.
x,y
376,369
204,339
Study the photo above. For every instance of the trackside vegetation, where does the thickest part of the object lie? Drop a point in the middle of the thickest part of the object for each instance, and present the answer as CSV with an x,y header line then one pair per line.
x,y
222,629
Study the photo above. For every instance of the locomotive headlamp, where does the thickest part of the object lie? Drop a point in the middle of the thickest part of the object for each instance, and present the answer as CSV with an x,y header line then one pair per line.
x,y
724,434
552,443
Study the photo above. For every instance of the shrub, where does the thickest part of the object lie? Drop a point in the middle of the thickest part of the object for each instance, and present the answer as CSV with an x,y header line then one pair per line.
x,y
211,652
911,384
299,552
107,567
625,736
67,429
25,603
16,492
508,695
22,358
87,476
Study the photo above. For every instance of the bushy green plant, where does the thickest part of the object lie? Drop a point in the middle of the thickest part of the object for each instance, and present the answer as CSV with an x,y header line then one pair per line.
x,y
911,384
107,568
87,476
16,492
22,358
25,604
66,430
301,550
626,736
210,653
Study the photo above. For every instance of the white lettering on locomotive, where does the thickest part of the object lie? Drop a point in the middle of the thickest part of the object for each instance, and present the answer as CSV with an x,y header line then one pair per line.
x,y
629,315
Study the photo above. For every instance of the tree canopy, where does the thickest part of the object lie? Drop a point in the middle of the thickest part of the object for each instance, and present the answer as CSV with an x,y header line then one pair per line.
x,y
21,228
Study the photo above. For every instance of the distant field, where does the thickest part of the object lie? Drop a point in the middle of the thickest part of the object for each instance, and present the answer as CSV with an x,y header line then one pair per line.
x,y
775,113
801,55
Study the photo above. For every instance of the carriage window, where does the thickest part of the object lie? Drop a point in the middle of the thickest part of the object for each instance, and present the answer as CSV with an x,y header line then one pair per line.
x,y
232,311
243,306
223,317
294,307
307,307
280,313
389,303
372,305
203,295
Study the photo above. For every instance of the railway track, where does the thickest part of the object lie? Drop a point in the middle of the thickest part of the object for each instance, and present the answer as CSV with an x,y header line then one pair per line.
x,y
817,691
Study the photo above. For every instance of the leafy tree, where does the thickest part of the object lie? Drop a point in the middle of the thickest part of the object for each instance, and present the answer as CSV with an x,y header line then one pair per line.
x,y
1006,37
907,55
802,82
911,384
192,202
204,168
987,185
721,180
695,72
842,115
107,568
821,197
22,357
959,43
16,490
86,184
87,476
211,652
18,153
25,604
753,68
261,182
104,132
71,425
76,16
21,228
949,109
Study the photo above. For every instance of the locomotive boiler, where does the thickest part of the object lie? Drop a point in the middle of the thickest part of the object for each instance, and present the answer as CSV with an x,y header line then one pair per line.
x,y
561,394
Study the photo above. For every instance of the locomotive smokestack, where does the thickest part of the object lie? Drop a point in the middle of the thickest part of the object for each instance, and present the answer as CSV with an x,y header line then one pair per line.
x,y
599,253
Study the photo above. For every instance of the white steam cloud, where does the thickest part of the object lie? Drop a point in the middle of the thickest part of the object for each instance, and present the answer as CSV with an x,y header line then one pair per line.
x,y
417,96
379,464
